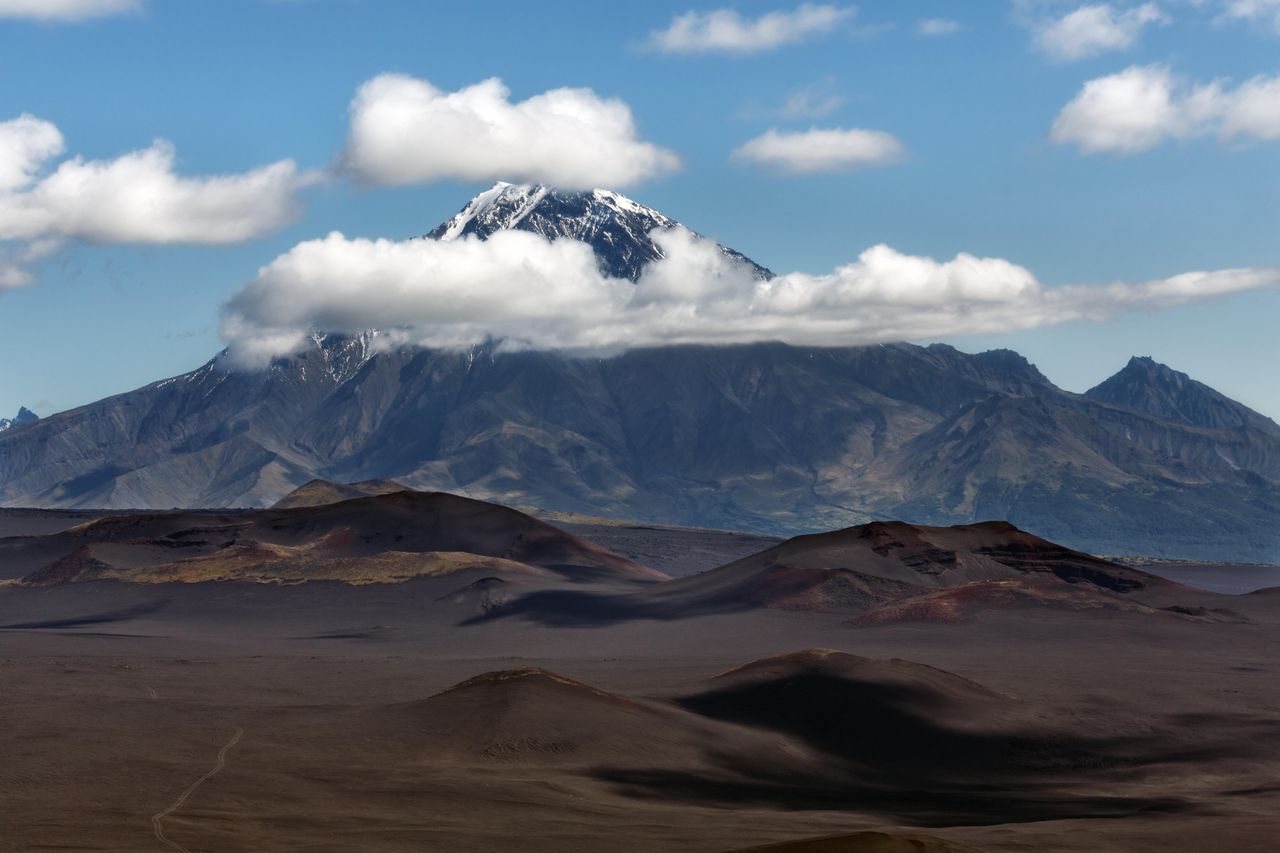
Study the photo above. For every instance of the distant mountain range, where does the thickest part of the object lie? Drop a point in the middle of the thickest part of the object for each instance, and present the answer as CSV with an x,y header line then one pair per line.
x,y
24,416
765,437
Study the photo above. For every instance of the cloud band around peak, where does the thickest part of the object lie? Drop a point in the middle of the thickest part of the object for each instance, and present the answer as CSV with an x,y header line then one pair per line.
x,y
534,293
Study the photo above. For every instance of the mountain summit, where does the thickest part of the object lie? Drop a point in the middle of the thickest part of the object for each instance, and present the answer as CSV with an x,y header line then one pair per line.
x,y
1148,386
617,228
24,416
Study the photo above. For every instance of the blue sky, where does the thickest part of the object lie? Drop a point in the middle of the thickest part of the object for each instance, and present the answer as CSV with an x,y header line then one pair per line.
x,y
238,84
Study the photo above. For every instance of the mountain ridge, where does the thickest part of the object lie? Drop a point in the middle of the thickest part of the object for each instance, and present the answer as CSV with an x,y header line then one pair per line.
x,y
765,437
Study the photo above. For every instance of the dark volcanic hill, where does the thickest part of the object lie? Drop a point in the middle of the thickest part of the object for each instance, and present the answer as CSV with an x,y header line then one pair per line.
x,y
382,538
880,573
763,437
814,729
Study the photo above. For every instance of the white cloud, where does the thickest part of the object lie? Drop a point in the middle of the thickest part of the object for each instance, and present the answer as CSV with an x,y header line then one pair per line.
x,y
26,143
1265,12
66,10
726,31
1127,112
531,292
938,27
13,264
1252,110
1143,106
821,150
135,198
406,131
1096,28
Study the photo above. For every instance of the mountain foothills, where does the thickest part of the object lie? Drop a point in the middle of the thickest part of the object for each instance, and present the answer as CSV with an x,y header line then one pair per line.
x,y
765,437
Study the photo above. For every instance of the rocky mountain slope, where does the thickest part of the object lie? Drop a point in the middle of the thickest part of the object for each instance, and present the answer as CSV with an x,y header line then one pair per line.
x,y
765,437
1148,386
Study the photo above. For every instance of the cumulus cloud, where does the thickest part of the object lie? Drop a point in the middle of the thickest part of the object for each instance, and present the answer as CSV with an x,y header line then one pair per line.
x,y
938,27
725,31
1143,106
406,131
66,10
820,150
530,292
135,198
1096,28
1266,12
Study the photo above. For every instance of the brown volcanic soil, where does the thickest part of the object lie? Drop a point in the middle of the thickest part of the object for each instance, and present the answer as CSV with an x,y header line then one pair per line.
x,y
866,842
1031,728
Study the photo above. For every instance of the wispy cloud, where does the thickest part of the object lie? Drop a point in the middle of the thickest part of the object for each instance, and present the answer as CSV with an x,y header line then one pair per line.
x,y
406,131
726,31
66,10
816,100
531,292
820,150
938,27
1144,106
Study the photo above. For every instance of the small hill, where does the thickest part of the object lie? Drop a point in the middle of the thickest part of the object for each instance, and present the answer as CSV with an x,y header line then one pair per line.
x,y
897,726
867,571
912,684
814,729
379,539
534,716
321,492
858,568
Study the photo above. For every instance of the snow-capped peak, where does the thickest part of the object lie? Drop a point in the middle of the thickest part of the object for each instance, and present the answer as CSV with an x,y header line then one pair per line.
x,y
502,206
617,228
